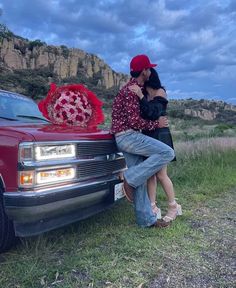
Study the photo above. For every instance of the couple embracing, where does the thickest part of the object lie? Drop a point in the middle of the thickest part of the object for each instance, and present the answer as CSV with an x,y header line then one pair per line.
x,y
138,120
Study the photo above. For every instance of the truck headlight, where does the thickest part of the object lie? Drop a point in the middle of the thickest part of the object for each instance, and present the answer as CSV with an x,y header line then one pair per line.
x,y
28,179
55,175
54,152
30,152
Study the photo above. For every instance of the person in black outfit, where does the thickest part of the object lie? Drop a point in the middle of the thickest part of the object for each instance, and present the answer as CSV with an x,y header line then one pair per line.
x,y
153,105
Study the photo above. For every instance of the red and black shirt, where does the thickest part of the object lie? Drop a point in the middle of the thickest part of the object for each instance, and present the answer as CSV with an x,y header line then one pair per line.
x,y
126,111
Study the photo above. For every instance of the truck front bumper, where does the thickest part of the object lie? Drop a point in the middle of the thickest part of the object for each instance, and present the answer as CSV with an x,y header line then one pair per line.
x,y
37,212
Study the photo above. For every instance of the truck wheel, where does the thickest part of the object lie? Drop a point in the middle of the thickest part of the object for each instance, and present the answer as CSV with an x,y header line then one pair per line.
x,y
7,233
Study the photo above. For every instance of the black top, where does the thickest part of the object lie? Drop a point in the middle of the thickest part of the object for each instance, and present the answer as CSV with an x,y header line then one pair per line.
x,y
152,110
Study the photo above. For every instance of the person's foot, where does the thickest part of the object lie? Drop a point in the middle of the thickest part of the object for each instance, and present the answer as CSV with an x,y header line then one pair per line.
x,y
156,210
174,210
128,191
160,223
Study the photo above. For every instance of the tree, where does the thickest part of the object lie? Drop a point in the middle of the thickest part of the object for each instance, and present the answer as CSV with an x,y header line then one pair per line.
x,y
5,32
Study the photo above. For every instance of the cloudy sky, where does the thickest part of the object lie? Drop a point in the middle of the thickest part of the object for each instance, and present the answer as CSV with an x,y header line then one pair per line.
x,y
193,42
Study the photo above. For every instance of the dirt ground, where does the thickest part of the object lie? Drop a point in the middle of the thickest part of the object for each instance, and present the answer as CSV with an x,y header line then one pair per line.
x,y
214,263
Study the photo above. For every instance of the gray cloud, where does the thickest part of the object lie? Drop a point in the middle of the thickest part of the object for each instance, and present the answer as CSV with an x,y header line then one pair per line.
x,y
186,38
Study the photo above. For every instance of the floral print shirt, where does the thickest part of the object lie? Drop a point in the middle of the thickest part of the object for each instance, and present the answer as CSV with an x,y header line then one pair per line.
x,y
126,111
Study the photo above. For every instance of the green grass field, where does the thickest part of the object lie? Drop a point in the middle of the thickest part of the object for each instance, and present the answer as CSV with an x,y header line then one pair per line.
x,y
109,250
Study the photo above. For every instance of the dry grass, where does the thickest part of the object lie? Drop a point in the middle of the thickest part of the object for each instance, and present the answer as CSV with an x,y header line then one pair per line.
x,y
206,144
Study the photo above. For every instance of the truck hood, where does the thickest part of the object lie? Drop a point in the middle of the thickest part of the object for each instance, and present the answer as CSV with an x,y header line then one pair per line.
x,y
50,132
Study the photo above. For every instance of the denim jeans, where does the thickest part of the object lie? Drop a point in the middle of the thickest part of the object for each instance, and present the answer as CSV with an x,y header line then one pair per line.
x,y
144,157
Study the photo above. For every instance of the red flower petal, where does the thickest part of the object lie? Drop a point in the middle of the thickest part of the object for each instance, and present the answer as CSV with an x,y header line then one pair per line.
x,y
63,101
58,107
79,118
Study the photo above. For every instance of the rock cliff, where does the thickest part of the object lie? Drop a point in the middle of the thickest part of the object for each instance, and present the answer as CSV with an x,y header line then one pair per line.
x,y
205,109
17,53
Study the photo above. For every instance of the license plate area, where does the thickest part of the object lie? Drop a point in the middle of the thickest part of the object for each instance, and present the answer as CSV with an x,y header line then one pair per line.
x,y
118,191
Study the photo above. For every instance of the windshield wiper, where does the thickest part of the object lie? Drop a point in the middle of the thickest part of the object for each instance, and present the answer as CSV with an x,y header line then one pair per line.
x,y
32,117
7,118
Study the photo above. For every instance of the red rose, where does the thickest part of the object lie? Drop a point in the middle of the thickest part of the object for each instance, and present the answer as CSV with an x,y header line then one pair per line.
x,y
58,107
79,118
63,101
64,114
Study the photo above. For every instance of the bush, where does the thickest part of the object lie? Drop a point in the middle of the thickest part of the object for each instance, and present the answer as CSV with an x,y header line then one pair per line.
x,y
35,43
5,32
65,51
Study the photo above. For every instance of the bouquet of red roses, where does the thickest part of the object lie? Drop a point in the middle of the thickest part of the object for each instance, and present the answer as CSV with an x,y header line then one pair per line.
x,y
72,105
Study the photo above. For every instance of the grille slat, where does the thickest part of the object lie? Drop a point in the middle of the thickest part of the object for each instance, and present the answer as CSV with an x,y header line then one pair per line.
x,y
89,148
90,169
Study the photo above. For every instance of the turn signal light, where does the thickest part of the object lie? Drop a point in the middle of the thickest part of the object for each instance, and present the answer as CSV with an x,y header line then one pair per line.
x,y
26,178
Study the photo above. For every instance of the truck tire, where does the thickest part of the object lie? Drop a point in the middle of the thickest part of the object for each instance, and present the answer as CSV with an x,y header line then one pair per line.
x,y
7,233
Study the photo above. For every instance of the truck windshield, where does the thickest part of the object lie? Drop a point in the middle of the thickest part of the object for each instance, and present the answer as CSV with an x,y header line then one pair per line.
x,y
20,108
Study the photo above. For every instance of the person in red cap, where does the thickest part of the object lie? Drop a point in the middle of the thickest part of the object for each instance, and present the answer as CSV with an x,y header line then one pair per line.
x,y
140,62
144,156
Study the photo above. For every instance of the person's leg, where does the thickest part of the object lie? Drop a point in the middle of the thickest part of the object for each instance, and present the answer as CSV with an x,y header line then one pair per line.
x,y
152,191
174,209
158,155
152,186
134,146
166,184
143,211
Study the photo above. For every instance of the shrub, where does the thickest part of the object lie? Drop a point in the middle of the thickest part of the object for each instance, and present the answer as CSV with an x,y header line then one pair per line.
x,y
5,32
65,51
35,43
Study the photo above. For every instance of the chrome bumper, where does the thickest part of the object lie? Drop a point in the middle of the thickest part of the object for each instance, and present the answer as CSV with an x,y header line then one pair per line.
x,y
41,211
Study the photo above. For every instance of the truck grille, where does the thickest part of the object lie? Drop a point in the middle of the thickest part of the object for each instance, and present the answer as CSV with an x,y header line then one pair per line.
x,y
90,148
100,168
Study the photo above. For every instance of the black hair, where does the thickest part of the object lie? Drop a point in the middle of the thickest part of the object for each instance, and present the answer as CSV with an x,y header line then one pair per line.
x,y
154,81
135,74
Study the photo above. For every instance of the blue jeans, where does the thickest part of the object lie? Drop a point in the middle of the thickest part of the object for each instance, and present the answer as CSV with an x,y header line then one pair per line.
x,y
135,146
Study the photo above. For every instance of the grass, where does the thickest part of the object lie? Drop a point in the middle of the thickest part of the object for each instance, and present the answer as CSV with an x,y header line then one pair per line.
x,y
189,130
109,250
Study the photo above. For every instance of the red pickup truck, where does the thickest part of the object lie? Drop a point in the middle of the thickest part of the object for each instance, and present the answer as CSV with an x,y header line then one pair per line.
x,y
51,175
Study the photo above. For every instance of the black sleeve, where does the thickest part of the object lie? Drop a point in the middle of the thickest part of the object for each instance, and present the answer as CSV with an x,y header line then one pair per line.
x,y
153,109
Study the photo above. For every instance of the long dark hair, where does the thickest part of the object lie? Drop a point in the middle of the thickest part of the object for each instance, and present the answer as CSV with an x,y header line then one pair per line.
x,y
154,81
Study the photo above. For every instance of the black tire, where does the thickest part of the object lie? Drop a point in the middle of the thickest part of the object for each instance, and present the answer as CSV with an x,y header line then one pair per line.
x,y
7,233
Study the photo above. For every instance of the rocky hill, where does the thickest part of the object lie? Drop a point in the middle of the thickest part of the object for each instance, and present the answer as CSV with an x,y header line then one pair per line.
x,y
21,57
206,110
18,54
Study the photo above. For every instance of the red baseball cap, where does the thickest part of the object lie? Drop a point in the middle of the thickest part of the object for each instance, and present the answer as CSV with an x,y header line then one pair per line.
x,y
140,62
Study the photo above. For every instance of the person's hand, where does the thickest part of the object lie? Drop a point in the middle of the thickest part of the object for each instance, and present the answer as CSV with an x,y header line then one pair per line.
x,y
163,122
137,90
